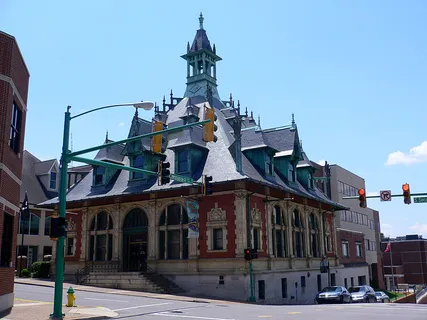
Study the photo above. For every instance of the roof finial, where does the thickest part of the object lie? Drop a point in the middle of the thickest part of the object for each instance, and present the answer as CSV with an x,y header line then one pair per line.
x,y
252,114
201,20
188,47
106,137
246,112
214,49
293,119
259,121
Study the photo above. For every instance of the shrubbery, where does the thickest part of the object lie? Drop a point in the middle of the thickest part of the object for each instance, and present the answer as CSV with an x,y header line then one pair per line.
x,y
25,273
41,269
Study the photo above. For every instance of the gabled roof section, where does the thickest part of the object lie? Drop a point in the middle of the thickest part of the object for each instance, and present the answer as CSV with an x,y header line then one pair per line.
x,y
138,127
44,167
30,181
111,154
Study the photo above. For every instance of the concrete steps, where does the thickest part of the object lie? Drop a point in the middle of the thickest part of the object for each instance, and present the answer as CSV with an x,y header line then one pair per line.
x,y
123,280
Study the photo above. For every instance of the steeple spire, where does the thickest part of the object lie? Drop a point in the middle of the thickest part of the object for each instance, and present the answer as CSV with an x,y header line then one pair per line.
x,y
201,21
201,64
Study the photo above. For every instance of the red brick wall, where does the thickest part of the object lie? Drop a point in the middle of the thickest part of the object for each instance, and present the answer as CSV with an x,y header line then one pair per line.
x,y
259,202
11,65
329,220
225,202
352,238
77,219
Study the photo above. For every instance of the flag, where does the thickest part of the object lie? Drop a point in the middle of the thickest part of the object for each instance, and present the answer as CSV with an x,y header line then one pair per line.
x,y
388,248
25,210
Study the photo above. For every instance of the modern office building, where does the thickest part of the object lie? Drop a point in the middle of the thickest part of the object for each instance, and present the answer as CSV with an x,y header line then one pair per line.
x,y
14,80
358,229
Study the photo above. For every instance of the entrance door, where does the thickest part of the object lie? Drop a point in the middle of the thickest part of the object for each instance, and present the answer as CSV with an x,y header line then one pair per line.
x,y
137,256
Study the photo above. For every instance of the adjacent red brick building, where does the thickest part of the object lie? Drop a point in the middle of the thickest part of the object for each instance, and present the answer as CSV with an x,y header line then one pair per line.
x,y
406,261
14,79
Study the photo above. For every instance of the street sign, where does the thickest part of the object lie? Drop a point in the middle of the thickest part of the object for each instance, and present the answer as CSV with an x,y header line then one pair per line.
x,y
181,178
420,200
385,195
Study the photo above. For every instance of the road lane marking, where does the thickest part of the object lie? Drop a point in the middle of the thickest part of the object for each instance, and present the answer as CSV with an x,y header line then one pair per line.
x,y
265,316
105,300
143,306
294,312
164,314
31,304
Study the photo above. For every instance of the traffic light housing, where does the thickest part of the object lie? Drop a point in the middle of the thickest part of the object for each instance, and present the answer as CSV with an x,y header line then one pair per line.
x,y
207,186
250,254
58,227
156,141
210,128
164,173
406,193
362,198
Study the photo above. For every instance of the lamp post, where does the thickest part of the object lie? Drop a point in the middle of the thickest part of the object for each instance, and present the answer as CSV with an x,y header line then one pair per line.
x,y
65,159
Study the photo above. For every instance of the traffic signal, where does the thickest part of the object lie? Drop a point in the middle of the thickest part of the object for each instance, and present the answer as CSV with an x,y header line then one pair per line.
x,y
362,198
406,193
58,227
210,128
164,173
248,254
156,141
207,186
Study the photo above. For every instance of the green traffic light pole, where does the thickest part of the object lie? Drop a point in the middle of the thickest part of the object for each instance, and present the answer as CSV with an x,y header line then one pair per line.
x,y
66,158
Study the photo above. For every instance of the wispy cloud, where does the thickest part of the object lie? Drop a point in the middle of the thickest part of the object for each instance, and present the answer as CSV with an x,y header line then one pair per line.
x,y
419,228
321,162
386,229
121,124
416,154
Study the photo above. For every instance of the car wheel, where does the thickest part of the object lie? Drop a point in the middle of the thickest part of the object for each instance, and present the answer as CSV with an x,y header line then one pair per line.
x,y
341,299
367,300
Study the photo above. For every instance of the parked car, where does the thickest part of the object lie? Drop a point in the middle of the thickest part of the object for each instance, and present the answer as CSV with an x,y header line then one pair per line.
x,y
333,294
382,297
363,294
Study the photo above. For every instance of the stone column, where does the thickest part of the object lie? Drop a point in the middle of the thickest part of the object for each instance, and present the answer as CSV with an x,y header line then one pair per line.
x,y
269,228
117,232
322,237
84,238
152,234
240,221
307,243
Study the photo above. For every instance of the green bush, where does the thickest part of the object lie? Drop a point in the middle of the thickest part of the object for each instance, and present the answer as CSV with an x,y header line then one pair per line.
x,y
41,269
25,273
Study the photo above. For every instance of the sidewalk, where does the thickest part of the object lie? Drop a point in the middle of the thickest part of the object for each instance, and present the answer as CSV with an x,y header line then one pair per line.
x,y
34,310
48,283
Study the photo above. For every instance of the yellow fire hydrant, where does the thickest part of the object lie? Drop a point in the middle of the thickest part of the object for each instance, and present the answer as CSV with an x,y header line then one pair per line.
x,y
71,297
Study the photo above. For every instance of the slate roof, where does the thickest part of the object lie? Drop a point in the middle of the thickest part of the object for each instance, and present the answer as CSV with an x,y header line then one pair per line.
x,y
112,154
220,156
32,167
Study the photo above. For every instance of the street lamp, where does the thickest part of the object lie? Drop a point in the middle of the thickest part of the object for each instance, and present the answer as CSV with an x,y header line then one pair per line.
x,y
65,160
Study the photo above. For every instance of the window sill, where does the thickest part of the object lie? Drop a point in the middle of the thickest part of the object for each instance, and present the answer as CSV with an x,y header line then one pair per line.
x,y
217,250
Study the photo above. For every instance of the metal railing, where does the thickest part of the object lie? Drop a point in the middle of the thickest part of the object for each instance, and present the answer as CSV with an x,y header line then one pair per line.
x,y
96,266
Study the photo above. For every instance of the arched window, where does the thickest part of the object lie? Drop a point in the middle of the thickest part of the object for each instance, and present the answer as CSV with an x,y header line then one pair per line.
x,y
136,218
298,234
173,233
279,232
101,237
47,226
314,236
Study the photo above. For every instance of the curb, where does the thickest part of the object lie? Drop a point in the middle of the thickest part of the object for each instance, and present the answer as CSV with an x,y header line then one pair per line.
x,y
131,293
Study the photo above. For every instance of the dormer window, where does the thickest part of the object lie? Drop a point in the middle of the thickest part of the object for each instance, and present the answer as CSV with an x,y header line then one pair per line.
x,y
98,175
52,183
183,165
269,165
310,181
291,172
138,162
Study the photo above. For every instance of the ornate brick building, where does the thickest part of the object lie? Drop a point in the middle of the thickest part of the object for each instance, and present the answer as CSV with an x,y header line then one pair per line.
x,y
263,198
14,79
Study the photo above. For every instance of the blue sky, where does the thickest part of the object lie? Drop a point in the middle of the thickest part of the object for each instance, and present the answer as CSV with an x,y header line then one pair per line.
x,y
353,72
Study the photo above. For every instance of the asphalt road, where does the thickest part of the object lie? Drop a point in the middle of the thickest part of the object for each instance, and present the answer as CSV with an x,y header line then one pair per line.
x,y
132,307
